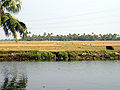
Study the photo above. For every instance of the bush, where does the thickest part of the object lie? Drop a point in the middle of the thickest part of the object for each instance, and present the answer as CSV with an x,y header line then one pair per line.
x,y
107,51
73,55
62,55
47,56
90,52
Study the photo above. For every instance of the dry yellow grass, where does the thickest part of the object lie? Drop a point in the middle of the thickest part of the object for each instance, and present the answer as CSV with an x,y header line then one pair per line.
x,y
58,45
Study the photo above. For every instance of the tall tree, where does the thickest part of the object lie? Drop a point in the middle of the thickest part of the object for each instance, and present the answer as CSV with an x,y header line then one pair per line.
x,y
9,22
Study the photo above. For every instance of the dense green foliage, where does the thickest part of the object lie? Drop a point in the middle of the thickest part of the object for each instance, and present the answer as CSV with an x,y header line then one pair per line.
x,y
73,37
58,56
63,56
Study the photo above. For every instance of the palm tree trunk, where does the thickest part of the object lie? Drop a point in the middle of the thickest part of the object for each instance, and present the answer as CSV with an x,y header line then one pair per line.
x,y
1,13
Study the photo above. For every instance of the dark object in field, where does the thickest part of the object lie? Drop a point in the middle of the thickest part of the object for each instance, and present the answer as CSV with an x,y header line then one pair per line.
x,y
109,48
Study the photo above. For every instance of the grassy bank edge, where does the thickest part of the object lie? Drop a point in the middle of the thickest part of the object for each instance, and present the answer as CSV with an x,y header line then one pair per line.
x,y
58,56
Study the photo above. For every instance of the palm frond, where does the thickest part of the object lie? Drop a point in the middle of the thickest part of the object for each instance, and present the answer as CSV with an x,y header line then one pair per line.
x,y
12,24
13,6
8,21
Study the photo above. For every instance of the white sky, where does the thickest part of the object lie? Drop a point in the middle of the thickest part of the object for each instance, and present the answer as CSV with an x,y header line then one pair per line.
x,y
70,16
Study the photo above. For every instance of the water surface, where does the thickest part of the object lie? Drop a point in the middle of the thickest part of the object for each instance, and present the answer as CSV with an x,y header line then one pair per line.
x,y
93,75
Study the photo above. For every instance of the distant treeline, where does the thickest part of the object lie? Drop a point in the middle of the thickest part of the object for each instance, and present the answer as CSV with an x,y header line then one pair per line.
x,y
71,37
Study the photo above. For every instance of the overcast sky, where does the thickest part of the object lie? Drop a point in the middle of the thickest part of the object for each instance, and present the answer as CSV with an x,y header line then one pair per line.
x,y
70,16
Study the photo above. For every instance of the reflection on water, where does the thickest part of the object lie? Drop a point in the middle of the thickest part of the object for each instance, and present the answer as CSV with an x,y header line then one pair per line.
x,y
13,78
85,75
14,84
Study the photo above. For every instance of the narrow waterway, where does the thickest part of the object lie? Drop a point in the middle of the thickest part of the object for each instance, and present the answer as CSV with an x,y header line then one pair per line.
x,y
84,75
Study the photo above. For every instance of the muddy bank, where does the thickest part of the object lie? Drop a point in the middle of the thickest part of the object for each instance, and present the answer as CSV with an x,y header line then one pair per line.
x,y
58,56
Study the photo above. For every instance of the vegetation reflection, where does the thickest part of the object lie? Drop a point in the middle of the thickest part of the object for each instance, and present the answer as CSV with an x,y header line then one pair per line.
x,y
14,80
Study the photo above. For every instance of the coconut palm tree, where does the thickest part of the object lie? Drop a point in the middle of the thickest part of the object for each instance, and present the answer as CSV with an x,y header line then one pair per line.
x,y
9,22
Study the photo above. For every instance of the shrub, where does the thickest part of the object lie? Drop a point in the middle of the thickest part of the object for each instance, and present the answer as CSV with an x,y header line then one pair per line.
x,y
62,55
90,52
47,56
107,51
73,55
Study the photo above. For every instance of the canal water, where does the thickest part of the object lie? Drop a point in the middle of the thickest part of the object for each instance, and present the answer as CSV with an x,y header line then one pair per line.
x,y
84,75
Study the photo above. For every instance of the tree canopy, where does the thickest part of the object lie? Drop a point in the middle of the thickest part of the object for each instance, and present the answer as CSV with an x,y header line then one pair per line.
x,y
73,37
9,22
